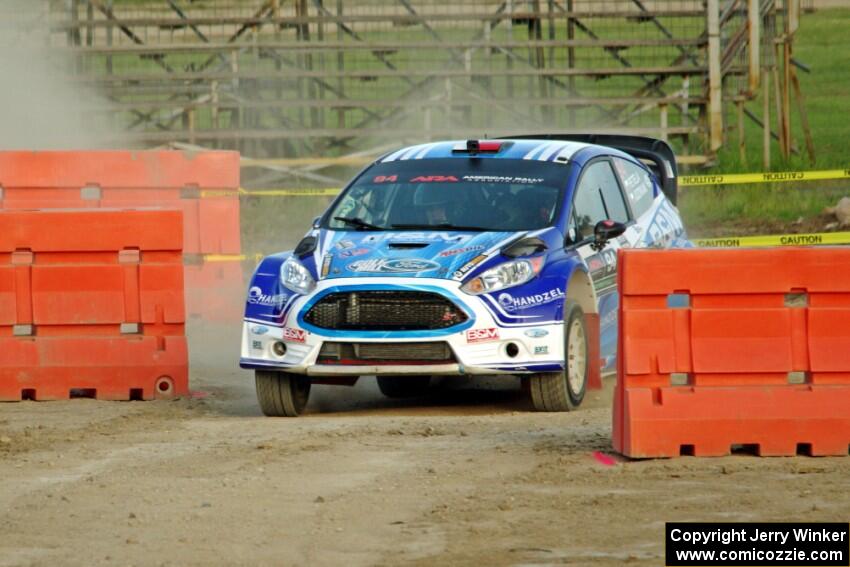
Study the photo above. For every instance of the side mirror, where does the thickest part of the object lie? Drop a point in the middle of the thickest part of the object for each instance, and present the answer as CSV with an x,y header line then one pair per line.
x,y
317,221
604,231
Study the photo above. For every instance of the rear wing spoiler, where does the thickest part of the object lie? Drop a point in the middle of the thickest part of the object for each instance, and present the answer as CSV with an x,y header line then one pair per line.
x,y
659,154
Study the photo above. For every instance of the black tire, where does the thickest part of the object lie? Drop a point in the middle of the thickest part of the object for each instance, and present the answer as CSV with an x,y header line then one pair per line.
x,y
554,391
404,386
281,394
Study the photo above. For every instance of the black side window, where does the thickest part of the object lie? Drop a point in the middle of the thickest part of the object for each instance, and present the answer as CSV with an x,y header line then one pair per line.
x,y
598,197
638,185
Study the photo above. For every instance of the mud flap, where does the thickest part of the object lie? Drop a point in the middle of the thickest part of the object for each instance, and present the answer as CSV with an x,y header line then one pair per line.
x,y
594,371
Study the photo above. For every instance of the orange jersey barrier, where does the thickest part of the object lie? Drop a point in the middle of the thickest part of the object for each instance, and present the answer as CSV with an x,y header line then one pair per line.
x,y
92,301
172,179
744,348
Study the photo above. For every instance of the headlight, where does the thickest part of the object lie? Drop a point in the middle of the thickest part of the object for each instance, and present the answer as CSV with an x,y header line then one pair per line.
x,y
503,276
296,277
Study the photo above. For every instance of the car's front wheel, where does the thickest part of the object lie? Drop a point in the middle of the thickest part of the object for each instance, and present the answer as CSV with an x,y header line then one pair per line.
x,y
281,394
564,391
404,386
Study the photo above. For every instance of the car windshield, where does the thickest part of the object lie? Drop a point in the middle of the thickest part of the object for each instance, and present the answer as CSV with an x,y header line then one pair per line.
x,y
484,194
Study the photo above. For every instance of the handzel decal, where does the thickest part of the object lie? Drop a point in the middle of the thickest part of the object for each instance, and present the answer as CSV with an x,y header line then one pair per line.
x,y
511,303
481,335
294,335
397,266
257,297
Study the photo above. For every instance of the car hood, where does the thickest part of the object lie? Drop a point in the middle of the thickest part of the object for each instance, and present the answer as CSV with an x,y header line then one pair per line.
x,y
430,254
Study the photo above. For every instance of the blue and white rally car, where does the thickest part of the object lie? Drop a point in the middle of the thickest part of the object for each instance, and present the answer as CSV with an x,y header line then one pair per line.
x,y
490,257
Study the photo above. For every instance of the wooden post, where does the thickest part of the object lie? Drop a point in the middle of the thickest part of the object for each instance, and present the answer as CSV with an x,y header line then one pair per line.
x,y
715,78
340,63
662,107
742,144
804,118
792,7
765,95
754,22
109,38
214,101
571,59
780,114
509,62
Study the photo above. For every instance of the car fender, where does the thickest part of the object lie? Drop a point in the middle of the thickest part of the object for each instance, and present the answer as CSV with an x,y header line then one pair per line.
x,y
266,299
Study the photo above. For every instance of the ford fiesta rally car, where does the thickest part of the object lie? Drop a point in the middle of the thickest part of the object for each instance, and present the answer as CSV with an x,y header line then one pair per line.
x,y
491,257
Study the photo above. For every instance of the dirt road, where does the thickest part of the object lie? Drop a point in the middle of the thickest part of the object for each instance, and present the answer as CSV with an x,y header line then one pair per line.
x,y
463,477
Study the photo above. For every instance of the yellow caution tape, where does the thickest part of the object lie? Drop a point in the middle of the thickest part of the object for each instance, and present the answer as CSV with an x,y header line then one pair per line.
x,y
765,177
775,240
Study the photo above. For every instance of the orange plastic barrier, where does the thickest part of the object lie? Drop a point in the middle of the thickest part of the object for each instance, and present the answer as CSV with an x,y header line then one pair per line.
x,y
726,349
91,302
172,179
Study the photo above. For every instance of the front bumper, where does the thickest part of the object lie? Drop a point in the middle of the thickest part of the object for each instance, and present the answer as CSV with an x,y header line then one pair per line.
x,y
480,346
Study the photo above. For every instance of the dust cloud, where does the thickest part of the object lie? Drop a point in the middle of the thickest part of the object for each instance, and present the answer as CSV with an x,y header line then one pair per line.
x,y
42,106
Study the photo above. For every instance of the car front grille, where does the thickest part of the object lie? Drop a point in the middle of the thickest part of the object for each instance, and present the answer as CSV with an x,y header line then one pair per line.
x,y
437,352
384,311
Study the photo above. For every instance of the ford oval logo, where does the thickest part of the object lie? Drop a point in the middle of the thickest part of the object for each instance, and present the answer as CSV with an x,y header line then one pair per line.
x,y
536,333
397,266
259,330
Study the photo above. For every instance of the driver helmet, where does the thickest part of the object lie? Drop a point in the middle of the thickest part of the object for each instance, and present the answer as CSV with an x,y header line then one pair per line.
x,y
428,195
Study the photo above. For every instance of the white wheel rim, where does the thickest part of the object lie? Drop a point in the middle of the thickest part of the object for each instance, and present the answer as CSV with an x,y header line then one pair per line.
x,y
576,357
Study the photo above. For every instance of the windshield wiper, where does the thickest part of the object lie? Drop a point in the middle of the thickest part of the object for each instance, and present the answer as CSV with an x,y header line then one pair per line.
x,y
359,223
442,225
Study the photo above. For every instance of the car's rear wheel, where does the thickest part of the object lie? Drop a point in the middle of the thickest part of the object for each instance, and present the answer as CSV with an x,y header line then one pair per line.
x,y
281,394
404,386
564,391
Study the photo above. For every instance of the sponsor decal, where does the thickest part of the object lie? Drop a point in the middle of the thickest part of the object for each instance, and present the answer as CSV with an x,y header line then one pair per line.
x,y
257,297
456,251
482,335
434,179
415,237
502,179
257,345
385,179
351,252
536,333
512,303
397,266
466,268
665,227
326,264
541,350
603,264
259,330
294,335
